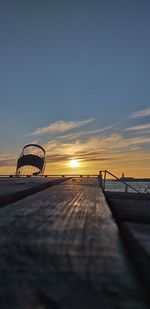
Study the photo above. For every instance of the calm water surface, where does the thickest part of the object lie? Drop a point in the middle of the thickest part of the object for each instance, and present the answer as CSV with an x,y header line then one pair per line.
x,y
141,186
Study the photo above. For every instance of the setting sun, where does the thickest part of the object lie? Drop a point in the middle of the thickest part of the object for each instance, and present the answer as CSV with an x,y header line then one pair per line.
x,y
73,163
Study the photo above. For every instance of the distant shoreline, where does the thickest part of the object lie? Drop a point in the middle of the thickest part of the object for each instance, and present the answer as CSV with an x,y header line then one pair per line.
x,y
126,179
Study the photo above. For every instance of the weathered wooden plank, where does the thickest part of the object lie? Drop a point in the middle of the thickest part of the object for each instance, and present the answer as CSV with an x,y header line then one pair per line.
x,y
16,189
127,195
132,208
14,184
137,237
61,249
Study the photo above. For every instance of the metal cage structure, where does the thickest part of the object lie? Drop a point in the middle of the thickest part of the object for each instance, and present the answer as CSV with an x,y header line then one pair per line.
x,y
31,161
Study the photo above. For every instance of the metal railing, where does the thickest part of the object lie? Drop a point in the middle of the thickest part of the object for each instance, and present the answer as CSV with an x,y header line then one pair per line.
x,y
48,175
103,178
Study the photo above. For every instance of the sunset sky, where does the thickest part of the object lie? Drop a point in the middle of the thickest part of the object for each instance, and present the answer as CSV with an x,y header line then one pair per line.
x,y
75,78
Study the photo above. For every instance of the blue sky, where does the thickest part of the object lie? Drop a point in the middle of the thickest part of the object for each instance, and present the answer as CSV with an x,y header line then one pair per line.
x,y
80,65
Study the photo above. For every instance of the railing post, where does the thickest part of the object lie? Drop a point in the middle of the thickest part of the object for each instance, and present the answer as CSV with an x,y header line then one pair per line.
x,y
100,179
126,188
125,183
104,179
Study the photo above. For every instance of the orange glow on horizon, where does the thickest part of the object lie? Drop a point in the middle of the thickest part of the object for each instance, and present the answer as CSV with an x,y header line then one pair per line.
x,y
130,169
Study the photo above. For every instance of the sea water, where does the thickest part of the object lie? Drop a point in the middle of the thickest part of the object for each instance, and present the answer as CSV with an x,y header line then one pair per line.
x,y
141,186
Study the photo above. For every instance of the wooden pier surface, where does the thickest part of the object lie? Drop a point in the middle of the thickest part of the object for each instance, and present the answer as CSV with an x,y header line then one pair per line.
x,y
132,214
12,190
60,248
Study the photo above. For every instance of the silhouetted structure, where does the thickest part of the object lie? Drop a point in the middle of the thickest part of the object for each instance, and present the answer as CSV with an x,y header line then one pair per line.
x,y
31,160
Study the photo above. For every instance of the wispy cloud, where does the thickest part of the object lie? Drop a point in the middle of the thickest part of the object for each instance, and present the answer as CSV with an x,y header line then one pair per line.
x,y
138,127
107,150
141,113
84,134
104,148
60,127
7,160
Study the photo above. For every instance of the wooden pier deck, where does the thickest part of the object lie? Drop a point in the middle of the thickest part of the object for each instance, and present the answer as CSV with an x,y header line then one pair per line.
x,y
132,214
61,248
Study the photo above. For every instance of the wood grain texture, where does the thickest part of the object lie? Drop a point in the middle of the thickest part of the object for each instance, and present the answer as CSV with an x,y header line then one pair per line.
x,y
60,248
127,195
16,189
129,207
137,237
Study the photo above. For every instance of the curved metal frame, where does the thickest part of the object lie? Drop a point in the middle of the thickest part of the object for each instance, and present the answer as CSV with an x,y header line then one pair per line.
x,y
32,161
34,145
